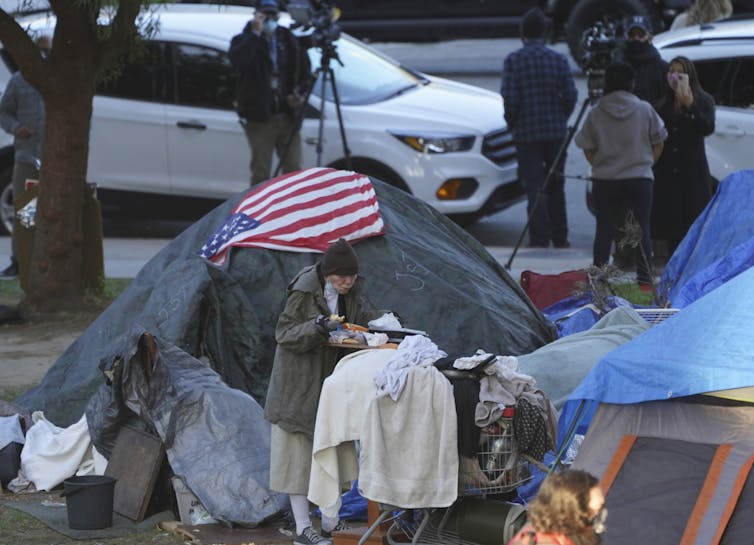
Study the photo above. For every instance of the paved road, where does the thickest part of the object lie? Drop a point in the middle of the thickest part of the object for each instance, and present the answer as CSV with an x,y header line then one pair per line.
x,y
476,62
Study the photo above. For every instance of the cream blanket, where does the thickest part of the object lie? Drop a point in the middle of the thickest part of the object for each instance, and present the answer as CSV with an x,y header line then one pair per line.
x,y
409,452
343,403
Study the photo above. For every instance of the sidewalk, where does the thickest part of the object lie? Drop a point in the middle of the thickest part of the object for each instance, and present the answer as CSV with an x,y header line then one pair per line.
x,y
124,257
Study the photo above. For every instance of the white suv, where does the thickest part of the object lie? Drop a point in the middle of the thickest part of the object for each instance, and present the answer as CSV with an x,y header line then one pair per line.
x,y
723,54
167,128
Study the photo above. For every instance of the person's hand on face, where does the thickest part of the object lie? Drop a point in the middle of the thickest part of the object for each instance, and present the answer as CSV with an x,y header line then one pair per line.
x,y
257,23
679,82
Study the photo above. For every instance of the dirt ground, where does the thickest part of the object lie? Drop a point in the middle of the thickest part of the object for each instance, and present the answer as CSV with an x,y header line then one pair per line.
x,y
28,350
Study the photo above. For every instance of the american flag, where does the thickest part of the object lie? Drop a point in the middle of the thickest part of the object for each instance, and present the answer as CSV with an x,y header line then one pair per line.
x,y
304,211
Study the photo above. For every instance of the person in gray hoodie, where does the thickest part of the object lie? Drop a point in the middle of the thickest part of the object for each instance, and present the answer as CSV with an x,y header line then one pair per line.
x,y
622,137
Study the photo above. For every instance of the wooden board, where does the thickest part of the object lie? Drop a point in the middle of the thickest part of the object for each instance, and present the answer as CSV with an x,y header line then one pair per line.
x,y
135,463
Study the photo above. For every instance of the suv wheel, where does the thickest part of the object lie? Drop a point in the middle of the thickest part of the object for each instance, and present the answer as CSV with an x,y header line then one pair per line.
x,y
587,12
6,202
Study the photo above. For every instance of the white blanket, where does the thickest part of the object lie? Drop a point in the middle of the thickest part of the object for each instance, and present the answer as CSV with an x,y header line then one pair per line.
x,y
52,454
345,396
409,451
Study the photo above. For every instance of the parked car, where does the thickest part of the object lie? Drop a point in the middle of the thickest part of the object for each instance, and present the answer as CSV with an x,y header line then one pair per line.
x,y
422,20
165,140
723,54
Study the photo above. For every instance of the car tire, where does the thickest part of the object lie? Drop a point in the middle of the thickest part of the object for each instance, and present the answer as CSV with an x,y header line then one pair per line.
x,y
587,12
6,201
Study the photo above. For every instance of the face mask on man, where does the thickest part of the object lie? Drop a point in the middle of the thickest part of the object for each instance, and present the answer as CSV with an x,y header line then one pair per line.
x,y
269,26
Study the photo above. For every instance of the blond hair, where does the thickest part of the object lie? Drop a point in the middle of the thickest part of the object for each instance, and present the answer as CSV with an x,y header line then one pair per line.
x,y
707,11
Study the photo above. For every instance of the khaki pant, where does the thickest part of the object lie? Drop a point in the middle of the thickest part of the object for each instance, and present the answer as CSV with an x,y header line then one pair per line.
x,y
290,461
268,136
21,173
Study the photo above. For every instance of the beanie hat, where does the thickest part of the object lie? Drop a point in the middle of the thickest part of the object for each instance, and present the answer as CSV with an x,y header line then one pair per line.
x,y
640,22
268,6
533,24
340,259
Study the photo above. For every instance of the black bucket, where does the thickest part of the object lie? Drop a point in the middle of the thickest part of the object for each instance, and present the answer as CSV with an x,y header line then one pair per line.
x,y
89,501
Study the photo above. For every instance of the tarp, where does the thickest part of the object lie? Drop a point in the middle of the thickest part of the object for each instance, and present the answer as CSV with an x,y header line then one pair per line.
x,y
706,347
718,246
215,437
431,272
560,366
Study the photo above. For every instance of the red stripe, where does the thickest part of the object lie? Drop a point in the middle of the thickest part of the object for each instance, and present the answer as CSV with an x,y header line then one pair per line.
x,y
274,200
305,182
295,210
313,221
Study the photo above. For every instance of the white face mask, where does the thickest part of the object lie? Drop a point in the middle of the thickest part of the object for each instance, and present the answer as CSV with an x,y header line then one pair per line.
x,y
330,289
269,26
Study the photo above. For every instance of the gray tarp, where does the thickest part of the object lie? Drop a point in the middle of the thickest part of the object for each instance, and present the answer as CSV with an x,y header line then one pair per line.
x,y
428,270
158,387
561,365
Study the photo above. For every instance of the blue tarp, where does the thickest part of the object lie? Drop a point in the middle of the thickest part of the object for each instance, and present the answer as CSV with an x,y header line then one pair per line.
x,y
718,246
705,347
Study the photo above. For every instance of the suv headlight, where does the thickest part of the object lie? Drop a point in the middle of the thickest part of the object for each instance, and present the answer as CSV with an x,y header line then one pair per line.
x,y
427,143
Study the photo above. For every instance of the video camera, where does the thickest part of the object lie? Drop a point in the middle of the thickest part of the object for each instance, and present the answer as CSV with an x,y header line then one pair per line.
x,y
319,15
600,43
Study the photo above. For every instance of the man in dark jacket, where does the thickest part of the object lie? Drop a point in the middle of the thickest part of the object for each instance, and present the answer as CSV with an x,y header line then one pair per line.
x,y
644,58
302,363
273,73
540,94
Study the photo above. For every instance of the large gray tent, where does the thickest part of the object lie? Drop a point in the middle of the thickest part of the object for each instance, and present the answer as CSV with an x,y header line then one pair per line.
x,y
187,348
431,272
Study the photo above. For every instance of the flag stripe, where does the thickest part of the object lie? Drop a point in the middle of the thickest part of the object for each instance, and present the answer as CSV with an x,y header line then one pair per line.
x,y
304,211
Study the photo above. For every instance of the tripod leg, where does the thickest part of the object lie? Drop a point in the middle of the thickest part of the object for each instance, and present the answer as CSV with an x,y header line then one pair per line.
x,y
297,121
346,151
321,129
563,147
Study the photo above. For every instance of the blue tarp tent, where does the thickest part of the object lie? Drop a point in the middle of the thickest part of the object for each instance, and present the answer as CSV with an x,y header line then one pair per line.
x,y
705,347
676,466
718,246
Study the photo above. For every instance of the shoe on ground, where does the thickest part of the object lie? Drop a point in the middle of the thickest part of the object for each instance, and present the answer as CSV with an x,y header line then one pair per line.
x,y
562,245
538,245
341,526
310,537
10,272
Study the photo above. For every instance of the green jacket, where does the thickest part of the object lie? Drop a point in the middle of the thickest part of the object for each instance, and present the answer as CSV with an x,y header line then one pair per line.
x,y
302,361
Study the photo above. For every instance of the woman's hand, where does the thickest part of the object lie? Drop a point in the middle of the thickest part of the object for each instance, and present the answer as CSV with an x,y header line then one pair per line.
x,y
683,91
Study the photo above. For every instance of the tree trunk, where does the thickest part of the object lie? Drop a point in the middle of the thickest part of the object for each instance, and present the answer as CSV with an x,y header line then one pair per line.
x,y
56,279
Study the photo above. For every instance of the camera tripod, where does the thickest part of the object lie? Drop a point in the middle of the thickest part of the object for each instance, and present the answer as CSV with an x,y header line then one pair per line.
x,y
327,73
594,93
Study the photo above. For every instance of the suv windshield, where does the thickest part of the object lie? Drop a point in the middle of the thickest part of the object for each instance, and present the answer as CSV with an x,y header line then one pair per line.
x,y
365,77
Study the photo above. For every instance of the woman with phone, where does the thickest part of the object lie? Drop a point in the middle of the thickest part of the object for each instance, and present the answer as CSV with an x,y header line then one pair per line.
x,y
683,185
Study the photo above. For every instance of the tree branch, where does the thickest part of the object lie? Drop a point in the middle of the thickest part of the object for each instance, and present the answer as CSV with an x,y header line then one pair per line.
x,y
123,32
23,51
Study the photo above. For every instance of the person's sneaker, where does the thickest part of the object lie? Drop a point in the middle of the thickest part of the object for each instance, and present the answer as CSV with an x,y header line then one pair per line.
x,y
310,537
562,244
10,272
342,525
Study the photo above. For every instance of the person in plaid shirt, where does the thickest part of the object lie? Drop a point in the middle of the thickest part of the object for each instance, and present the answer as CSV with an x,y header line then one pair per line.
x,y
539,93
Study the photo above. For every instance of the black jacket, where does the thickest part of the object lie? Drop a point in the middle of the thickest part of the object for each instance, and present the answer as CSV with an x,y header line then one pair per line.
x,y
249,54
682,186
651,70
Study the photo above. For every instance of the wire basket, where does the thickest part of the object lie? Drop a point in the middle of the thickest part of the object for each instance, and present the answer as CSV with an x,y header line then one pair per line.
x,y
497,468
